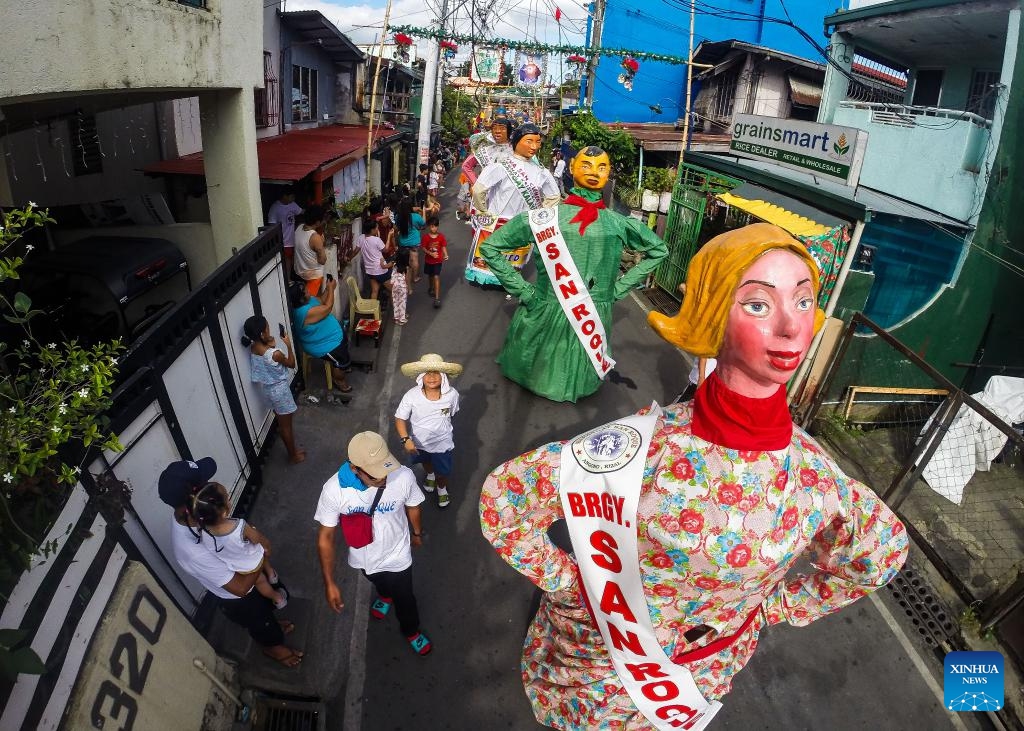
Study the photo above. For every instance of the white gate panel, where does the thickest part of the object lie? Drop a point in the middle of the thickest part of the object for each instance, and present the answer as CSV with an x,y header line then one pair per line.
x,y
258,414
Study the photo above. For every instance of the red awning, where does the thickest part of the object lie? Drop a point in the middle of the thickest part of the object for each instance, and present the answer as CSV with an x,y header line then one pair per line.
x,y
292,156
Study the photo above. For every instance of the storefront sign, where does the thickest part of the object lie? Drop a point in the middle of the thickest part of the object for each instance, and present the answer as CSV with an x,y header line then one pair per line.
x,y
823,149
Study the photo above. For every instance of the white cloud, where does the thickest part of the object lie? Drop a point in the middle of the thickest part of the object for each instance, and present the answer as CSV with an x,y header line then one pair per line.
x,y
517,19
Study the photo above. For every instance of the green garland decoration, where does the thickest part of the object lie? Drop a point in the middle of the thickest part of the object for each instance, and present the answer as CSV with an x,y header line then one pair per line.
x,y
536,46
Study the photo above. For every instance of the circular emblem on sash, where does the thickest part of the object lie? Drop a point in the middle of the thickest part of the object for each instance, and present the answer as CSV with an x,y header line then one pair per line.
x,y
541,215
607,448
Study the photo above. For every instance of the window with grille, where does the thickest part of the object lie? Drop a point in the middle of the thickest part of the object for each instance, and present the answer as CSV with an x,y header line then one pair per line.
x,y
725,96
304,94
981,99
266,98
87,158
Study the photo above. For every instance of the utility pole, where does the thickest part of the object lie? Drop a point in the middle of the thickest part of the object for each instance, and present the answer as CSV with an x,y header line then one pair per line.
x,y
595,47
429,93
373,96
689,91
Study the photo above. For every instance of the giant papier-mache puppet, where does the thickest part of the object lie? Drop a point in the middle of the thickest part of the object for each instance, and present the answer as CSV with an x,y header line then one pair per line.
x,y
509,186
558,343
686,521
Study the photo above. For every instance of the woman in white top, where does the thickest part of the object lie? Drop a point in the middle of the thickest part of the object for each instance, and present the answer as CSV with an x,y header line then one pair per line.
x,y
311,250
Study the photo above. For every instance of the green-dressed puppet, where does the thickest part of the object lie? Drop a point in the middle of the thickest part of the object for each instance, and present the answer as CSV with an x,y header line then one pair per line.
x,y
558,343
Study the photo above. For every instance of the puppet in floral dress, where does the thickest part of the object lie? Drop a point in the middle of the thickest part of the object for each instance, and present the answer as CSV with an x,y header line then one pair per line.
x,y
730,496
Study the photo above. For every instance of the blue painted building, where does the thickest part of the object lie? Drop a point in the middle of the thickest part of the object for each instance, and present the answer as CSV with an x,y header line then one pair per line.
x,y
663,27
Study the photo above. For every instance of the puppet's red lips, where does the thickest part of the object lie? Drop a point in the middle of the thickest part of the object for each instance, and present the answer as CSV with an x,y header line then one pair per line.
x,y
784,360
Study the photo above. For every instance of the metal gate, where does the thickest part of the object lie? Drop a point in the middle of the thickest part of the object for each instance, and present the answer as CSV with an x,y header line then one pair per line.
x,y
694,185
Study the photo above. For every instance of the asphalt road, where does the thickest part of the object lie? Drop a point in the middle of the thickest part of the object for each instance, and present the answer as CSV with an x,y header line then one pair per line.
x,y
848,671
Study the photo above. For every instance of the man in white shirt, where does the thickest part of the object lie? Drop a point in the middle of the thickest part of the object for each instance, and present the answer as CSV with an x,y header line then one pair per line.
x,y
374,482
558,171
283,211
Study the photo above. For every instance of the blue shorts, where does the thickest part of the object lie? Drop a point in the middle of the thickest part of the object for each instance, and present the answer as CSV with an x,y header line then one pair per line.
x,y
440,461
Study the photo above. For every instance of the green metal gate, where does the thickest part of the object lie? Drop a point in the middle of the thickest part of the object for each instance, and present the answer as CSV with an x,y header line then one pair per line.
x,y
685,218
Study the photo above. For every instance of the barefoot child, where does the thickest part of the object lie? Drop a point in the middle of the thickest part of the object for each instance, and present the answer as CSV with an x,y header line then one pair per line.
x,y
400,287
270,369
424,420
435,253
243,548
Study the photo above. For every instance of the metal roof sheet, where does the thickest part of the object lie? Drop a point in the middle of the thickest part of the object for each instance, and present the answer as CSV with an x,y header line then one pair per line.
x,y
291,156
804,93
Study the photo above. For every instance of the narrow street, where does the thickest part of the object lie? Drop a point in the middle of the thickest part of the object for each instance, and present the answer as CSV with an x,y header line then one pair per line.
x,y
850,671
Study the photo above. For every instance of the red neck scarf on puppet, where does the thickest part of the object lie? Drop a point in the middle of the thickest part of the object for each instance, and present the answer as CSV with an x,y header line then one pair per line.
x,y
723,417
587,213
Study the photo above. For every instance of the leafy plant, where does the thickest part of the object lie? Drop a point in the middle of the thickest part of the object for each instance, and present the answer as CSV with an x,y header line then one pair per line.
x,y
52,403
659,180
584,129
352,208
970,621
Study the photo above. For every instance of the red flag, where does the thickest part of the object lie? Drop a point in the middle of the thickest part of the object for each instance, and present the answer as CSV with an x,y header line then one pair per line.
x,y
558,14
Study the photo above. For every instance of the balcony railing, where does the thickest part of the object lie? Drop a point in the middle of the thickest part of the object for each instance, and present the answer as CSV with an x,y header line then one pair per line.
x,y
927,155
905,115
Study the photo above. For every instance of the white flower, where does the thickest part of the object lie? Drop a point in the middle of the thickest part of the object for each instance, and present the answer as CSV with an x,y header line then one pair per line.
x,y
51,346
13,410
85,368
25,343
113,361
77,470
31,204
55,429
62,409
83,392
28,248
8,477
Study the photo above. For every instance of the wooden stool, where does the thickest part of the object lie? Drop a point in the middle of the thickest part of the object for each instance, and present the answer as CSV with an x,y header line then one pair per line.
x,y
306,358
369,328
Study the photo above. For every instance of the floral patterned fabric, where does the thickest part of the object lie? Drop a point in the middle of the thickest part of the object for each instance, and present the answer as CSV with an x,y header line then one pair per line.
x,y
718,531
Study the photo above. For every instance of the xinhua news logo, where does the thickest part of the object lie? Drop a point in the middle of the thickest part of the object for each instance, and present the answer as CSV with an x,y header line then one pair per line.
x,y
973,681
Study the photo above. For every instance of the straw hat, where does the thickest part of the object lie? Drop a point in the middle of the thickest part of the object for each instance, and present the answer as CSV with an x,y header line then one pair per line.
x,y
429,363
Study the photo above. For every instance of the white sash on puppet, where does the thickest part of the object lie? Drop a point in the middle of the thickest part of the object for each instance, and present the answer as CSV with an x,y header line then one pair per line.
x,y
573,295
600,479
521,180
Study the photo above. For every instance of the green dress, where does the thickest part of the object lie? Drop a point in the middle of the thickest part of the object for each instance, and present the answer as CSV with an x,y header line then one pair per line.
x,y
541,351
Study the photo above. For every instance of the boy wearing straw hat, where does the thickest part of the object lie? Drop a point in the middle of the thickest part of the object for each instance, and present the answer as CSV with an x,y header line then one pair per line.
x,y
423,420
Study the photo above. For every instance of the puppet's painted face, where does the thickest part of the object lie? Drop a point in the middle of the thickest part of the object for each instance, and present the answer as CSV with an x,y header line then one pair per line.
x,y
771,324
591,171
528,145
500,133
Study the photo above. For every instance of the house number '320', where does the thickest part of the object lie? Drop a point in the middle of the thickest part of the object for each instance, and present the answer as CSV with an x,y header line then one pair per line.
x,y
130,662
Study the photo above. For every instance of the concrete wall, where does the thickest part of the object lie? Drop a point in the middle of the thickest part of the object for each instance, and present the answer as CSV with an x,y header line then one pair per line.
x,y
40,161
941,153
117,45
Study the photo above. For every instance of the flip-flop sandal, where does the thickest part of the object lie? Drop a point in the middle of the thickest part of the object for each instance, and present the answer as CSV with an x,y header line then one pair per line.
x,y
380,608
286,626
292,660
283,601
420,644
347,389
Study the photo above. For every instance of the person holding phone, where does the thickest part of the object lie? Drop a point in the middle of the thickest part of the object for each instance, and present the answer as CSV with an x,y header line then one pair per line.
x,y
271,368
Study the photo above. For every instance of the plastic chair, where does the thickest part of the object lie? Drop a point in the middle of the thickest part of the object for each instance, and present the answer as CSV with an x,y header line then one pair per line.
x,y
306,358
357,304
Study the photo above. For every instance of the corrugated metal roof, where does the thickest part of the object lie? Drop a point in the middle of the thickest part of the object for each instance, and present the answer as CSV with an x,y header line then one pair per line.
x,y
291,156
804,93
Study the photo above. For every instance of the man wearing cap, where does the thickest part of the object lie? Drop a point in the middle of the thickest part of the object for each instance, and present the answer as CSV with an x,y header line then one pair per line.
x,y
178,484
374,482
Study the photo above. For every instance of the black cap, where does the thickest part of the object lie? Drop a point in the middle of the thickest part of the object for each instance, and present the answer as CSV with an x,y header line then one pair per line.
x,y
178,478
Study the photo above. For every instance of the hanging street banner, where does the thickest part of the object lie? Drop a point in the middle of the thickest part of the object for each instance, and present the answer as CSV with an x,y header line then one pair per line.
x,y
823,149
530,68
486,66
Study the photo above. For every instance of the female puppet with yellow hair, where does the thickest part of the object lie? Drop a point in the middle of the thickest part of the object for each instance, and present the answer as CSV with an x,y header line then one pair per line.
x,y
730,496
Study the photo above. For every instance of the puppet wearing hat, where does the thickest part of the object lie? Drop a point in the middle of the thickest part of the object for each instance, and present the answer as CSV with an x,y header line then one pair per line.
x,y
558,343
514,184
